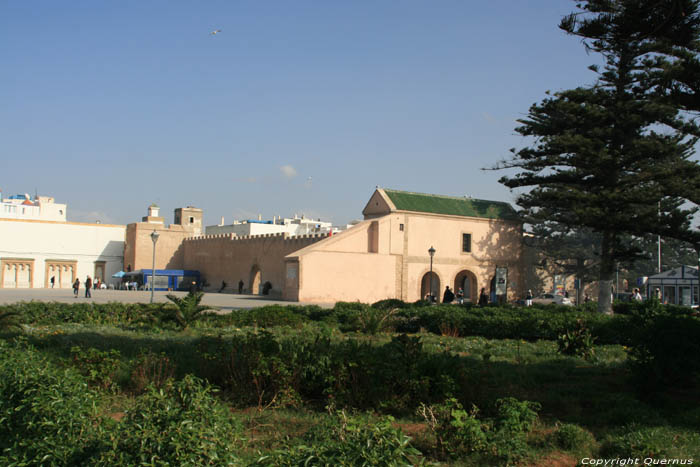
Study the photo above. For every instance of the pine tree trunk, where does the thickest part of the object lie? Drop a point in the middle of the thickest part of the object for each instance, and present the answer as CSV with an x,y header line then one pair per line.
x,y
607,271
580,264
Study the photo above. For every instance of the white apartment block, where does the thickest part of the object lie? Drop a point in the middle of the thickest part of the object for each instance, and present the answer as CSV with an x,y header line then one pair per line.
x,y
37,243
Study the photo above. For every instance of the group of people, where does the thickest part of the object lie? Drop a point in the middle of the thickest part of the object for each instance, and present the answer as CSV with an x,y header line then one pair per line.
x,y
88,286
449,296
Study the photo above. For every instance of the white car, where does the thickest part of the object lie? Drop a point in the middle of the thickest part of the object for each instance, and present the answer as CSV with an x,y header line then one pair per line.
x,y
552,298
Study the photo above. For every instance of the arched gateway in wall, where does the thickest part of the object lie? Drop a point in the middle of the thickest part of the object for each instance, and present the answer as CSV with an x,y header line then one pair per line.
x,y
466,280
255,278
425,286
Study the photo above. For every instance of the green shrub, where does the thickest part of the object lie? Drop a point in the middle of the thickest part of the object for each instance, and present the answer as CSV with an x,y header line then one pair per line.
x,y
48,416
179,424
661,354
577,341
349,441
151,369
572,437
270,316
188,310
389,304
501,439
100,367
637,442
10,321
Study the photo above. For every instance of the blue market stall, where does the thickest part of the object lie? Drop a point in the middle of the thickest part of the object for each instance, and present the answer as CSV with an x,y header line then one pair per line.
x,y
165,279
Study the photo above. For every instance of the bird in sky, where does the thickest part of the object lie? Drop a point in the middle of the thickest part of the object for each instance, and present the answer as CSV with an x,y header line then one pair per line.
x,y
215,32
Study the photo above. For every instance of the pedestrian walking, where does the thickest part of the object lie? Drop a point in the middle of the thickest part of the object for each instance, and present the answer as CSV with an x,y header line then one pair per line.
x,y
240,287
448,296
76,287
528,298
53,281
460,296
88,286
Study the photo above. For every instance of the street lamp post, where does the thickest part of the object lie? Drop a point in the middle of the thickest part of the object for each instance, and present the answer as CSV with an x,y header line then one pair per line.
x,y
431,252
154,237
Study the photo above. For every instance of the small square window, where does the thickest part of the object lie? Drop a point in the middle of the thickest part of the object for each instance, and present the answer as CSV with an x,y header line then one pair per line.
x,y
191,220
401,227
467,243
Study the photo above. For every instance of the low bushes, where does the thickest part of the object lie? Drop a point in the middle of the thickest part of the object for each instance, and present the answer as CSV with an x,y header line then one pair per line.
x,y
48,416
496,440
349,441
179,424
258,369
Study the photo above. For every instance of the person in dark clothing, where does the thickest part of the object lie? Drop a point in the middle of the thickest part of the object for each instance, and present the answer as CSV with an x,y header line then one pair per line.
x,y
483,297
88,286
240,286
223,286
448,296
53,281
76,287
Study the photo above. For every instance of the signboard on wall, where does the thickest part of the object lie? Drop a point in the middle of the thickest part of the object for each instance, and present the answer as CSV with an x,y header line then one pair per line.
x,y
501,281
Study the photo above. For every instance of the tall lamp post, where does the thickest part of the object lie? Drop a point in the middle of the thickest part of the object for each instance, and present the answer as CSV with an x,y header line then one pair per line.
x,y
154,237
431,252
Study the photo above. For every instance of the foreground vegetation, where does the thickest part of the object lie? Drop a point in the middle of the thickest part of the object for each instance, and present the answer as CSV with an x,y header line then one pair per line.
x,y
388,384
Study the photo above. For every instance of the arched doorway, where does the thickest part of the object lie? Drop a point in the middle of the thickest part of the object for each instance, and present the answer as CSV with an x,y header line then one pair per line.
x,y
425,286
255,278
466,280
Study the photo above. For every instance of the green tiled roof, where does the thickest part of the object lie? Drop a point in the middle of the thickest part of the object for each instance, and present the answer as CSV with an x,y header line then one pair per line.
x,y
451,205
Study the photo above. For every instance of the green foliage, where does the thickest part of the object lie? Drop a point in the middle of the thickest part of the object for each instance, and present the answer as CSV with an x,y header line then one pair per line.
x,y
636,442
577,341
255,368
179,424
259,369
151,369
48,416
349,441
497,440
372,320
269,316
572,437
661,353
52,313
99,367
389,304
10,321
188,308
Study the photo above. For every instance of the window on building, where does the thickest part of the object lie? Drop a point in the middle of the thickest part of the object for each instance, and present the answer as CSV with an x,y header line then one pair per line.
x,y
191,220
467,243
401,227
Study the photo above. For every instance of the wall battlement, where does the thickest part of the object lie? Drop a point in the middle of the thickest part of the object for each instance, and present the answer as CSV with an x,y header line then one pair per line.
x,y
283,236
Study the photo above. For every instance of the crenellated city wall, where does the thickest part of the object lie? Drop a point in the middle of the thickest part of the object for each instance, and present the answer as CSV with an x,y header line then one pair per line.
x,y
253,259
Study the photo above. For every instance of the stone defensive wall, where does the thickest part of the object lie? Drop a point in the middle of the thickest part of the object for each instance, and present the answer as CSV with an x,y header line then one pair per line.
x,y
252,259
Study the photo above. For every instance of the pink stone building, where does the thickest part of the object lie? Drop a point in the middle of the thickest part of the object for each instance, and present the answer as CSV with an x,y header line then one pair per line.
x,y
384,256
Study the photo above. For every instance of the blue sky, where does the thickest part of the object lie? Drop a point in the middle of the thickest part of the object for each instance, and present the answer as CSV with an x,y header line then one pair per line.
x,y
294,107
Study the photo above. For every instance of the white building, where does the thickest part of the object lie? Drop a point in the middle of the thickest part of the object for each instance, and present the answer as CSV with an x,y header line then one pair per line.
x,y
37,243
292,226
23,206
678,286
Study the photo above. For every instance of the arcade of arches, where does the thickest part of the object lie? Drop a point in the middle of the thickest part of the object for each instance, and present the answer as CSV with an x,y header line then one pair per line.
x,y
465,279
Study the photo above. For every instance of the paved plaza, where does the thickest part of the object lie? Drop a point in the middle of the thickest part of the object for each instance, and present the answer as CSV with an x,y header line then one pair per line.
x,y
225,301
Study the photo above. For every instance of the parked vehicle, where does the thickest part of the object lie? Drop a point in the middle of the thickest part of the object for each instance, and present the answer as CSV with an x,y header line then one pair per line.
x,y
553,298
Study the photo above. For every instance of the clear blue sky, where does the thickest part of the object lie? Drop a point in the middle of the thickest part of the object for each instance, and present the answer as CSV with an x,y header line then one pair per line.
x,y
109,106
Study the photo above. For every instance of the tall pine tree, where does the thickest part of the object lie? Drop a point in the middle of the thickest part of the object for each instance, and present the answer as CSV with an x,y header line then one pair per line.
x,y
615,157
